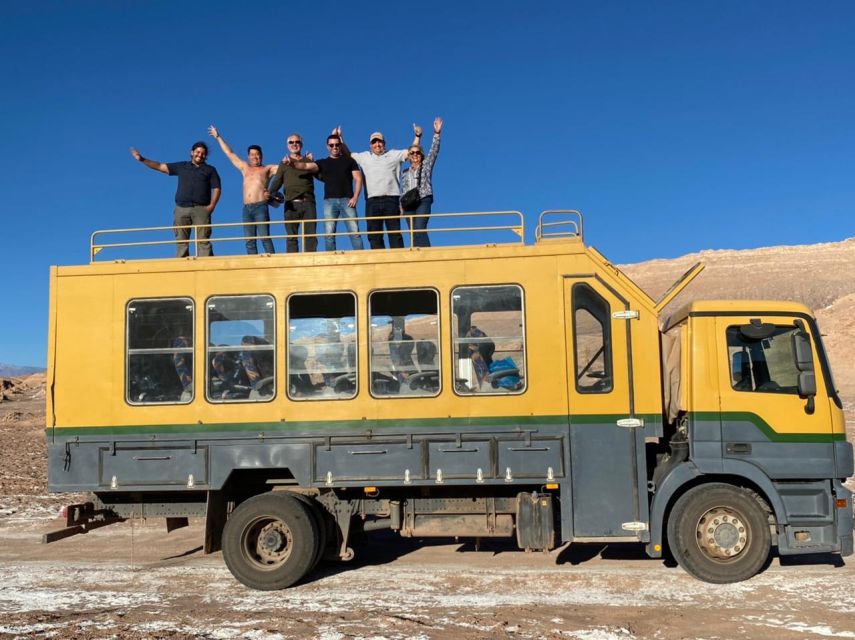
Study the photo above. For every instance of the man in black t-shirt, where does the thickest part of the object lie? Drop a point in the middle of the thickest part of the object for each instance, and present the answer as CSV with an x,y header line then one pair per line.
x,y
195,199
342,184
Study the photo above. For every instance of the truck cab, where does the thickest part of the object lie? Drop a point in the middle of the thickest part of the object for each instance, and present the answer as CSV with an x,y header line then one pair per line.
x,y
758,451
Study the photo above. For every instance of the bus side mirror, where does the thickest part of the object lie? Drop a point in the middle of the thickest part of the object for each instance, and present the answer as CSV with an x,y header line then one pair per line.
x,y
804,363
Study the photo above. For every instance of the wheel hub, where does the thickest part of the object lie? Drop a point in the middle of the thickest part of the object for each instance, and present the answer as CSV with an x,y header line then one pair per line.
x,y
273,543
722,533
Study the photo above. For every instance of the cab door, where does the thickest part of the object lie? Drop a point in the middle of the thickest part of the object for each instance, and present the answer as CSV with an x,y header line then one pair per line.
x,y
764,420
605,436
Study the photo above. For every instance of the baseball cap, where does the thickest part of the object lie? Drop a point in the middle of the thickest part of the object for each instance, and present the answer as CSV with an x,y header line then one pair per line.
x,y
376,136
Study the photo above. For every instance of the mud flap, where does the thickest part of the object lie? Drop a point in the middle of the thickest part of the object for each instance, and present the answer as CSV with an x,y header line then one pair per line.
x,y
215,521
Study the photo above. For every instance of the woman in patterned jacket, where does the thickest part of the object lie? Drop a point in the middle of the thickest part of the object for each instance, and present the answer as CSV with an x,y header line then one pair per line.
x,y
418,176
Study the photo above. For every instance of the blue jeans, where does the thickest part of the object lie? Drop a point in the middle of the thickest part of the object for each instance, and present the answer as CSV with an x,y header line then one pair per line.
x,y
253,214
419,225
333,209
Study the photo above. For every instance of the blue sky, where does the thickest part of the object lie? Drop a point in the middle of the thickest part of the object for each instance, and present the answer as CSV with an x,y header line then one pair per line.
x,y
674,126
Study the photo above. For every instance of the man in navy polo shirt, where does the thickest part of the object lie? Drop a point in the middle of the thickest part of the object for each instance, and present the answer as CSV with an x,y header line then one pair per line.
x,y
195,199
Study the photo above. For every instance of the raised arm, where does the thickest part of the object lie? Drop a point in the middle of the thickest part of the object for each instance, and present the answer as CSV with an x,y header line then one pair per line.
x,y
418,137
434,145
239,164
151,164
345,150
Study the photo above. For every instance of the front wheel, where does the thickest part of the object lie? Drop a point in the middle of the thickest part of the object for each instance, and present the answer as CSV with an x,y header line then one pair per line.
x,y
719,533
270,541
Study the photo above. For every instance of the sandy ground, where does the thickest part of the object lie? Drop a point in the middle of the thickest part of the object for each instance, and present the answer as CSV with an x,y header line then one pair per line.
x,y
133,580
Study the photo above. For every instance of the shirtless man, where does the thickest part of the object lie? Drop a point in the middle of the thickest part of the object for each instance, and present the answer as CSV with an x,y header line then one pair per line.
x,y
255,178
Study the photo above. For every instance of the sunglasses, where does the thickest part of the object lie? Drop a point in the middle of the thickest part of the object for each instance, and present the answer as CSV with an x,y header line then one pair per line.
x,y
378,141
334,146
295,142
415,153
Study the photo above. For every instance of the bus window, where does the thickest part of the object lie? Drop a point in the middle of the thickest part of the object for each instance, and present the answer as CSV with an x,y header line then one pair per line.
x,y
404,343
322,346
489,339
241,352
159,351
592,341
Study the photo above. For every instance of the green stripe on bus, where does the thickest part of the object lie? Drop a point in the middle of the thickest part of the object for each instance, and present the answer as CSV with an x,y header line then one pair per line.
x,y
765,427
329,426
339,425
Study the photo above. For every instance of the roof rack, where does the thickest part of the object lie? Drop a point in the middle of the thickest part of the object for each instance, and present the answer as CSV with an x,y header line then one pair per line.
x,y
559,223
493,227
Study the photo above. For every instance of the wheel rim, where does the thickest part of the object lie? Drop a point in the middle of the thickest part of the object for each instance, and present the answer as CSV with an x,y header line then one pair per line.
x,y
266,542
723,534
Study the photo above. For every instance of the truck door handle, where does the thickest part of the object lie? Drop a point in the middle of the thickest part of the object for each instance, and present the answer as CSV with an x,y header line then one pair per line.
x,y
738,448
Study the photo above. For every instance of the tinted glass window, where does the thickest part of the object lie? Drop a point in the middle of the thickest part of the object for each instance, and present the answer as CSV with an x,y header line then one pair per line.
x,y
404,343
489,340
160,351
241,356
767,365
322,346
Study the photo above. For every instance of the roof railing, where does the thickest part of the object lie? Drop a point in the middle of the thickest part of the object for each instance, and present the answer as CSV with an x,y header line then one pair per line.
x,y
559,223
491,227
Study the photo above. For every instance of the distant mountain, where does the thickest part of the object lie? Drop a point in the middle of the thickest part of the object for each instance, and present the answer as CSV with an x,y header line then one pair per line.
x,y
14,370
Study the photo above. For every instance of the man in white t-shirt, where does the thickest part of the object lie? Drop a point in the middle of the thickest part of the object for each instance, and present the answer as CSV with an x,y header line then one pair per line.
x,y
382,171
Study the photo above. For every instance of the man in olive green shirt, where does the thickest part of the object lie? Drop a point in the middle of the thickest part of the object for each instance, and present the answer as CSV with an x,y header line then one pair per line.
x,y
299,198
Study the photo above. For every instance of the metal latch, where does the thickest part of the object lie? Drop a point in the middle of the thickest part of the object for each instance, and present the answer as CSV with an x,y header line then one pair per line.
x,y
630,423
629,314
634,526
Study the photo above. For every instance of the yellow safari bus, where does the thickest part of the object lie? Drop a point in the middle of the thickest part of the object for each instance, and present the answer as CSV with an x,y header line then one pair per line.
x,y
499,390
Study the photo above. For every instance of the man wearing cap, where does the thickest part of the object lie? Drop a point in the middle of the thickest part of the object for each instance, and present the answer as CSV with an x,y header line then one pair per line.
x,y
382,171
299,196
195,198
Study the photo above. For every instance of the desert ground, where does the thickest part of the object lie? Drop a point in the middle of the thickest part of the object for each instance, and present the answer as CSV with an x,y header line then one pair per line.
x,y
133,580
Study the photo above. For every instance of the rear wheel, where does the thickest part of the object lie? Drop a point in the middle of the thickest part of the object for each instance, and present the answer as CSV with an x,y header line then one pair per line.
x,y
270,541
719,533
316,511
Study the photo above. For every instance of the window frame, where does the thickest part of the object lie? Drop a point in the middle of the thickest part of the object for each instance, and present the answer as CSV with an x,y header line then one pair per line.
x,y
287,350
127,358
789,329
608,343
453,351
370,342
209,350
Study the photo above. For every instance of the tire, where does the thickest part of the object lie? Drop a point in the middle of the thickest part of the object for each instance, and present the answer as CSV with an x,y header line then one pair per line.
x,y
269,542
315,510
719,533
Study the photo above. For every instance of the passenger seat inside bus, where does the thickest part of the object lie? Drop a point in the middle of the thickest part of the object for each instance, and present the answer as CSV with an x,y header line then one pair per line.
x,y
427,376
